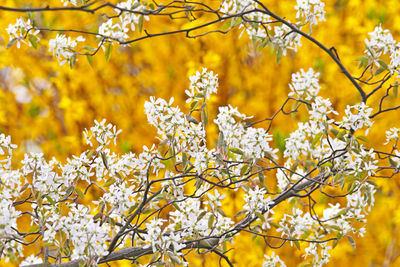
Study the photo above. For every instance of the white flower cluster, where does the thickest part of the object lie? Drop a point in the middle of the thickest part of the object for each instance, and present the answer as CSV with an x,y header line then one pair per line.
x,y
72,2
311,11
102,133
256,201
202,85
258,24
87,237
305,85
130,15
358,120
20,29
273,261
392,135
235,7
283,38
174,126
194,221
163,240
381,43
254,143
63,47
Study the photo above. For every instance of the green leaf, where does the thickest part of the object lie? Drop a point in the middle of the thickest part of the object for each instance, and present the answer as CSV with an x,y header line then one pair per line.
x,y
279,53
33,229
204,116
201,215
244,169
362,138
379,71
334,132
104,158
220,142
10,43
226,26
72,61
194,105
240,213
211,221
236,151
383,64
341,135
297,243
316,139
140,23
108,51
220,211
90,60
110,182
392,163
24,187
184,161
280,141
326,165
33,40
92,49
351,241
79,193
69,190
50,200
396,89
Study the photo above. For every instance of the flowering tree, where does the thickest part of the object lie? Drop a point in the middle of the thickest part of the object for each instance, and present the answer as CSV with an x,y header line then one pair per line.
x,y
156,207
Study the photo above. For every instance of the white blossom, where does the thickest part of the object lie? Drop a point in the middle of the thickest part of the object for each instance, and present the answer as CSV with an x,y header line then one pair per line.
x,y
62,47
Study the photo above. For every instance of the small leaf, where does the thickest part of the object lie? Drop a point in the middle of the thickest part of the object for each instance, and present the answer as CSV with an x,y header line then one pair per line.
x,y
244,169
98,216
194,105
33,40
362,138
89,48
25,186
220,142
326,165
72,61
296,242
211,221
50,200
220,211
236,150
110,182
108,51
316,139
379,70
201,215
191,119
10,43
33,229
104,158
334,132
396,89
383,64
240,213
90,60
226,26
204,116
79,193
279,53
140,23
69,190
184,161
392,163
351,241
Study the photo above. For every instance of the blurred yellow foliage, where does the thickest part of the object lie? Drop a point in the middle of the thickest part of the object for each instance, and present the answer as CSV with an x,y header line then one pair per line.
x,y
45,107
